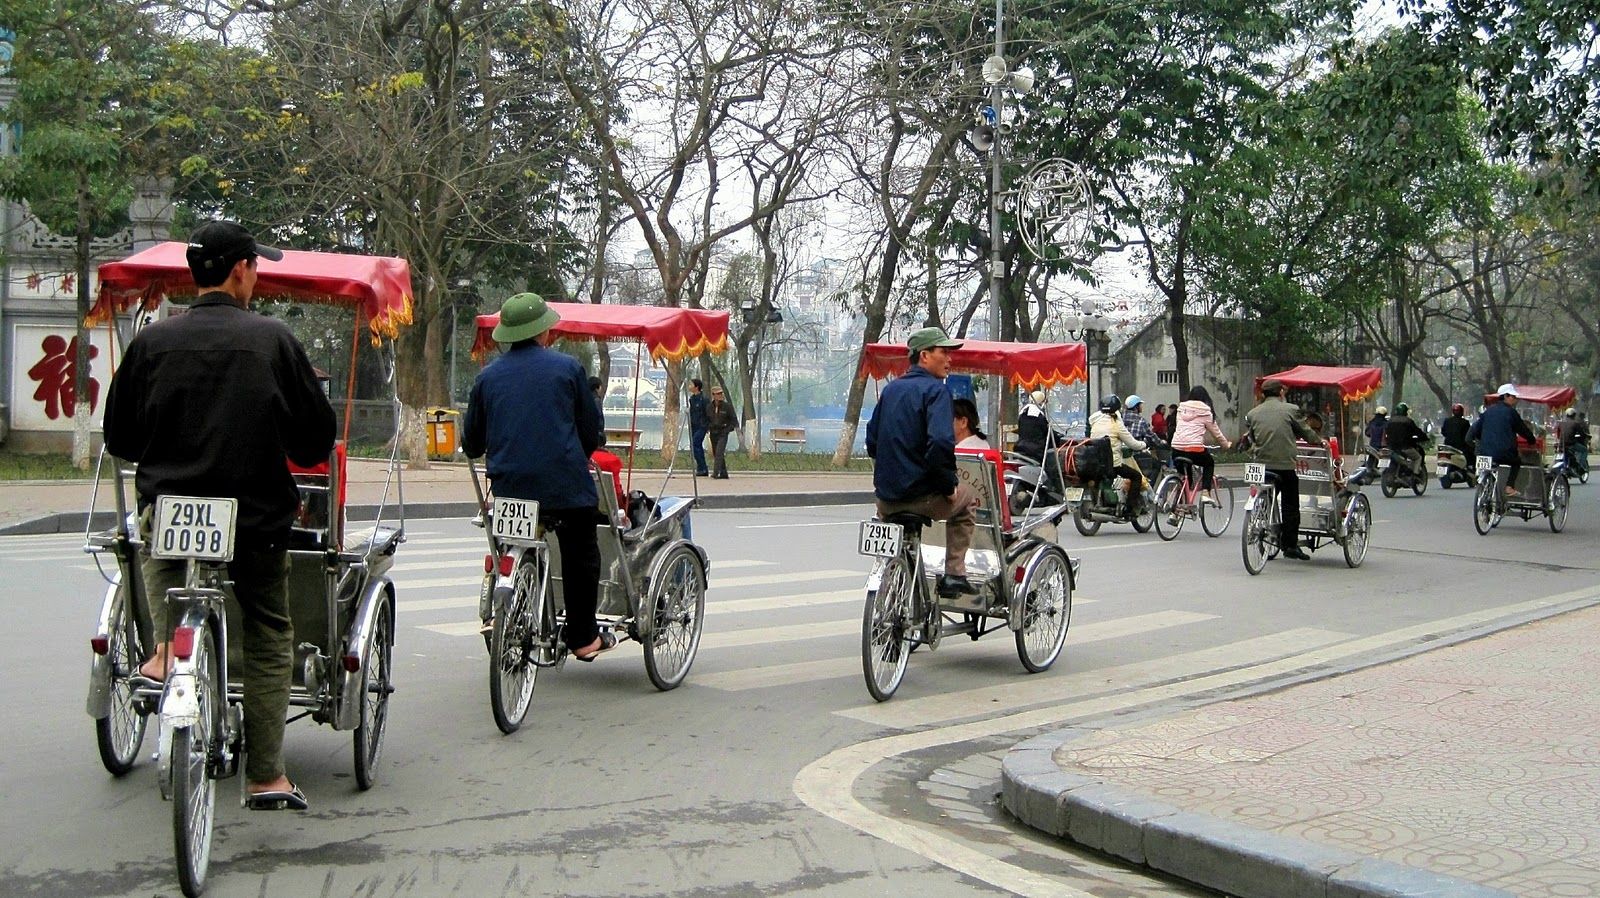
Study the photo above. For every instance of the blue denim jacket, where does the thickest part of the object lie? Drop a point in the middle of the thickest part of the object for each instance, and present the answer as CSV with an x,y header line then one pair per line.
x,y
532,412
912,438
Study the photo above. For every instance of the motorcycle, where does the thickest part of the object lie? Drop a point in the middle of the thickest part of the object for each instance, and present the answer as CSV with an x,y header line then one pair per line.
x,y
1578,460
1398,474
1450,466
1108,501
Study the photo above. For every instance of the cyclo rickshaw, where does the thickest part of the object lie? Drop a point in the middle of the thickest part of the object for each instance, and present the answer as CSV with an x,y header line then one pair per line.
x,y
652,574
1024,580
1541,485
1333,510
341,600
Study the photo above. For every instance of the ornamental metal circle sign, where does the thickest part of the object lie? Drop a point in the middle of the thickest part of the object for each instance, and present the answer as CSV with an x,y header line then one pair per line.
x,y
1054,207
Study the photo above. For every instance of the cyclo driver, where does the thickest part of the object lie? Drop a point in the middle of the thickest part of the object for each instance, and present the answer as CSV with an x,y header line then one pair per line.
x,y
216,402
1272,428
1496,432
1403,436
911,436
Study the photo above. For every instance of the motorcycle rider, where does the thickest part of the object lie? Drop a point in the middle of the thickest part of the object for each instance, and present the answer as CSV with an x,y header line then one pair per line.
x,y
1033,427
1496,432
1405,438
1375,429
1107,423
1273,427
1133,419
1567,430
1454,432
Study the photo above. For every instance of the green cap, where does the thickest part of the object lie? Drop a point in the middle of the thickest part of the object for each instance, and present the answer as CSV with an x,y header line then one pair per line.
x,y
523,317
929,338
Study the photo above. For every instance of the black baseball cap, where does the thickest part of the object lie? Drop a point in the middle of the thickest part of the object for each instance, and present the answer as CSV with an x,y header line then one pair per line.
x,y
216,245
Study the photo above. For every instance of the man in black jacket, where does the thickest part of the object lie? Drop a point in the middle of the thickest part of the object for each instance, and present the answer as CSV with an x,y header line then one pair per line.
x,y
216,402
1405,438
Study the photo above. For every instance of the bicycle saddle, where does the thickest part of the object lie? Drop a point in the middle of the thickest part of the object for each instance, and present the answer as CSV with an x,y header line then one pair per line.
x,y
910,520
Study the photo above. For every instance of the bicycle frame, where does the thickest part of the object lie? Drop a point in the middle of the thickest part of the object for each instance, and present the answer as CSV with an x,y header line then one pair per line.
x,y
199,605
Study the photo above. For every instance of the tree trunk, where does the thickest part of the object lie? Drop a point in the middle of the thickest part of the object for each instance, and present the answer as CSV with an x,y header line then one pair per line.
x,y
876,314
82,414
414,383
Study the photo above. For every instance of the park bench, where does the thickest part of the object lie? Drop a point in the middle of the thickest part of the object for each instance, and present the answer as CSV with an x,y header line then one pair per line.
x,y
621,438
795,436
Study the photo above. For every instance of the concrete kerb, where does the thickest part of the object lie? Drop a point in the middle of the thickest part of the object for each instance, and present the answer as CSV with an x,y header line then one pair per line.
x,y
1215,853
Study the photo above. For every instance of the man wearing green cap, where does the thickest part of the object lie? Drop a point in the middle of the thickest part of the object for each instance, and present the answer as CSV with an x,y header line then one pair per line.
x,y
911,437
532,413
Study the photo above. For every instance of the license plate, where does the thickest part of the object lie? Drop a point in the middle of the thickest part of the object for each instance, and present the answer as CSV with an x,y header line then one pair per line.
x,y
1074,494
1255,473
1484,463
1443,471
516,521
880,540
193,528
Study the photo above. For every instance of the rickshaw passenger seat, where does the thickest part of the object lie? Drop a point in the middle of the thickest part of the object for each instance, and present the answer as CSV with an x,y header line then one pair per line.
x,y
910,520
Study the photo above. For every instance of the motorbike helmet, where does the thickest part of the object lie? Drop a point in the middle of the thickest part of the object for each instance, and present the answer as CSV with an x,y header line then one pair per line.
x,y
1402,409
1458,409
1382,410
1133,401
1110,402
1572,413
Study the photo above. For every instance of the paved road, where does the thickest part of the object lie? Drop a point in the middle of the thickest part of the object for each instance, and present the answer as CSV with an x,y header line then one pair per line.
x,y
771,770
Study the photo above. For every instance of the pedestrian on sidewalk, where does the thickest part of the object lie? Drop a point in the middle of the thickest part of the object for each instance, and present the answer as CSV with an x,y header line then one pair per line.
x,y
216,402
721,420
699,425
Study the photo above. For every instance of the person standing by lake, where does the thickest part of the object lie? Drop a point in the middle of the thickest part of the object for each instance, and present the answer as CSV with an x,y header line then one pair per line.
x,y
721,420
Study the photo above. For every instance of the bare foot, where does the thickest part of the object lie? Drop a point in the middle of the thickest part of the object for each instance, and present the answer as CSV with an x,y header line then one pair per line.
x,y
281,784
158,666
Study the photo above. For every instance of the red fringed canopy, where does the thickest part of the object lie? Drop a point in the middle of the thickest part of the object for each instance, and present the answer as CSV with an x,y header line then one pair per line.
x,y
1551,396
379,286
1353,383
1028,365
669,333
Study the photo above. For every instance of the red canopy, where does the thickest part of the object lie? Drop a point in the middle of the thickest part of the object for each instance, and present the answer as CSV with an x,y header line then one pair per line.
x,y
1353,383
379,286
1028,365
668,332
1551,396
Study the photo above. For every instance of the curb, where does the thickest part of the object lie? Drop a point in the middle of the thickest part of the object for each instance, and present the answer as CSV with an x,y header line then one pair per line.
x,y
78,521
1219,854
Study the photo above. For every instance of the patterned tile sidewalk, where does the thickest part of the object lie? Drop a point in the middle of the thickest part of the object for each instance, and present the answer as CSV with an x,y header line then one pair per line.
x,y
1480,761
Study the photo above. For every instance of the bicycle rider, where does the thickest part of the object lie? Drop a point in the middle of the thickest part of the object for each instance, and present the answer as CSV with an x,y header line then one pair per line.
x,y
216,402
911,437
1272,427
1196,421
1496,431
532,414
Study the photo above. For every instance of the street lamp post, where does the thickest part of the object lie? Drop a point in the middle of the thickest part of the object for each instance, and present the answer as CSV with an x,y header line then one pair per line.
x,y
1450,361
1090,327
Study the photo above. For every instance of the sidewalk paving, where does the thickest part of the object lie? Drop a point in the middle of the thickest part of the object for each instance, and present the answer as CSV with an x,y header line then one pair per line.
x,y
1467,770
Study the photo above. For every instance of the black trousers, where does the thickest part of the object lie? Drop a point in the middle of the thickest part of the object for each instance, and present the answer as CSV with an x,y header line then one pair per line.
x,y
719,453
1201,460
580,570
1289,499
1512,460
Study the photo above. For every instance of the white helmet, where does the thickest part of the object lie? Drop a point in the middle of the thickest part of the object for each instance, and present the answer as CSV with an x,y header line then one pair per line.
x,y
1508,390
1382,410
1037,396
1571,413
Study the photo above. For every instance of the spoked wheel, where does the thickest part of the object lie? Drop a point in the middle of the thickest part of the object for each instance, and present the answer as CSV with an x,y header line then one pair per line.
x,y
1046,611
1169,519
1360,522
377,672
1420,485
1388,484
1253,535
1146,518
119,734
886,630
678,610
511,664
1484,513
194,792
1214,519
1081,520
1560,493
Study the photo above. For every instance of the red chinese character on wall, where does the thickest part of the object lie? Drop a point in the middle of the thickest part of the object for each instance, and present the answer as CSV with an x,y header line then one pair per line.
x,y
56,374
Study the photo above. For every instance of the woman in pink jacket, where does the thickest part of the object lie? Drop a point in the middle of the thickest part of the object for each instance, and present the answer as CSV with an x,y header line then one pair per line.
x,y
1195,422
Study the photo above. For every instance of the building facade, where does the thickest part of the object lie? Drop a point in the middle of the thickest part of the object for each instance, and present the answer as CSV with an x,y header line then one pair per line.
x,y
1147,365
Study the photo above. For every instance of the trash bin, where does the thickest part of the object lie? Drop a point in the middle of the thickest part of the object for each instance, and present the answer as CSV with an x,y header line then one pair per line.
x,y
442,433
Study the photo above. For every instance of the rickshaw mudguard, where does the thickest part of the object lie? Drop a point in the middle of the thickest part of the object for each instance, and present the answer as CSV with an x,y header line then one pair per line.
x,y
348,684
99,703
660,559
1016,604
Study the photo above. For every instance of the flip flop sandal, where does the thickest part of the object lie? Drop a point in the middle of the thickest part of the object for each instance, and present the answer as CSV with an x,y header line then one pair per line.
x,y
608,641
278,800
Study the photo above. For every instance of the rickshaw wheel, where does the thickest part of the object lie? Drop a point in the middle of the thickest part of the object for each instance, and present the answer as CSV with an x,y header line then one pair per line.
x,y
886,630
1483,510
1253,534
1355,541
377,684
1080,519
1169,521
194,792
1560,493
1046,611
119,734
677,614
511,665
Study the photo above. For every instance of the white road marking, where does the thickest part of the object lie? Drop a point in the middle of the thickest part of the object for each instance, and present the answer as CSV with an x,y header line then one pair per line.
x,y
28,557
827,785
731,606
471,581
789,526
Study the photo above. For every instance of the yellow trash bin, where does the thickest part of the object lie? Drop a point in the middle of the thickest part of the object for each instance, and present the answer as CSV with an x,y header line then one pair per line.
x,y
442,433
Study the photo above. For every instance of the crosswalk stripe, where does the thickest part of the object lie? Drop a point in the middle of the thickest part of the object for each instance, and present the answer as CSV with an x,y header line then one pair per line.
x,y
850,666
714,639
28,557
791,577
905,713
476,564
730,606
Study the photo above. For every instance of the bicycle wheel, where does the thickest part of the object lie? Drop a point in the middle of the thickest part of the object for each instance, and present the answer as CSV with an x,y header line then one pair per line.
x,y
378,684
1360,523
511,668
1214,519
1483,503
886,629
1046,611
1169,517
677,601
1253,534
119,734
194,792
1559,494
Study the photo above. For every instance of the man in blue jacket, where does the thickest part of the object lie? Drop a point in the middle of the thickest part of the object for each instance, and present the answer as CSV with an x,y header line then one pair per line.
x,y
533,414
1496,432
912,438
